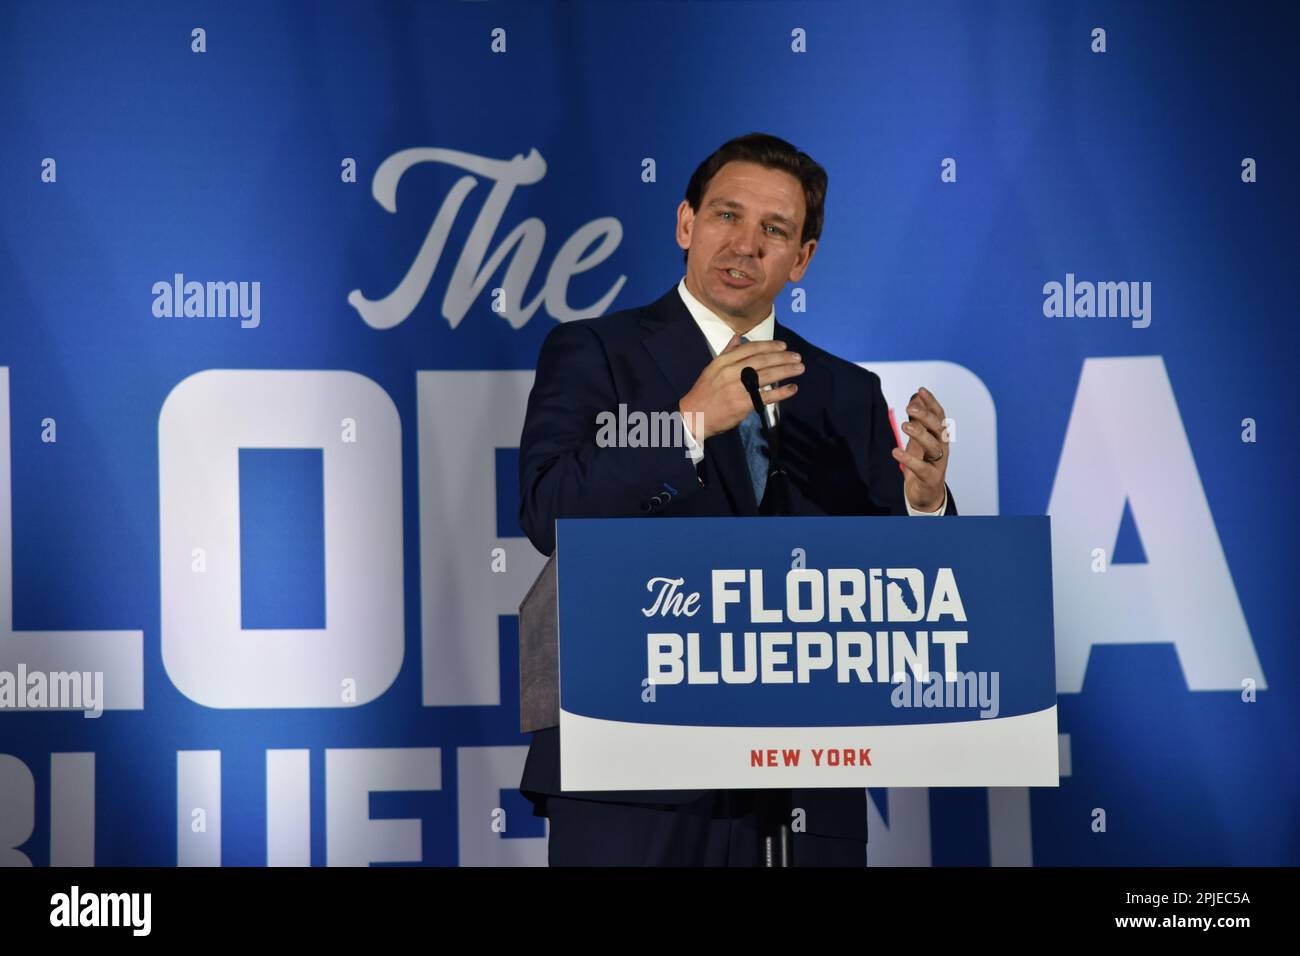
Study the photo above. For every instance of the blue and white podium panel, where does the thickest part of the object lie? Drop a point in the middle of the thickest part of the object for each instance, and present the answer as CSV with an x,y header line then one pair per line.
x,y
806,652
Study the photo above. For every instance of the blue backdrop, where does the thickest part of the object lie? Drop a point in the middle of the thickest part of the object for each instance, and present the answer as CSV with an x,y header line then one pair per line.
x,y
171,480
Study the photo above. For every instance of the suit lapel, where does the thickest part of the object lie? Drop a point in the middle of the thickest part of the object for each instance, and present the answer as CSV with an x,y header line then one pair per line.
x,y
802,411
803,421
679,348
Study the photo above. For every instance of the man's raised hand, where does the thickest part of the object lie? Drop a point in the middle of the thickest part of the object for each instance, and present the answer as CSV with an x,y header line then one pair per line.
x,y
718,400
925,460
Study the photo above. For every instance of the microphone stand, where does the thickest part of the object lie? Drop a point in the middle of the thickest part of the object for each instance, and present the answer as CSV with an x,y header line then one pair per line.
x,y
773,807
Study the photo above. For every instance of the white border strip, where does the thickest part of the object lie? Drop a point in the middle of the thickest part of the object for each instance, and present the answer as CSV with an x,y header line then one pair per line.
x,y
1017,751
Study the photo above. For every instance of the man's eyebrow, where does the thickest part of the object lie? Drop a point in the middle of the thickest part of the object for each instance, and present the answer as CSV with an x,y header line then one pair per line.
x,y
732,204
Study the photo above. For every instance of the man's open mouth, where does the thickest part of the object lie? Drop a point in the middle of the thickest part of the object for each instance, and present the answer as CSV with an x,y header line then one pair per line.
x,y
737,278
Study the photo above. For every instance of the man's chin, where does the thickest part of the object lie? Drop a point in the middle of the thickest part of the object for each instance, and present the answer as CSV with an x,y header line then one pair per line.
x,y
734,297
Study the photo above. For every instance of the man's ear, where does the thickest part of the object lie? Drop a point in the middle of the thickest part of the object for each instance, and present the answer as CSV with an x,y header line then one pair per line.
x,y
801,264
685,223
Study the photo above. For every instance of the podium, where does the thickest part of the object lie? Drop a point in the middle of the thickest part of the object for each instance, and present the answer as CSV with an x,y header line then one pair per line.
x,y
781,652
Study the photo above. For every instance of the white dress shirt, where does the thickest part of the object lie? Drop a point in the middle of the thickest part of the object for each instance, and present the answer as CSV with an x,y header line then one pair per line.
x,y
718,333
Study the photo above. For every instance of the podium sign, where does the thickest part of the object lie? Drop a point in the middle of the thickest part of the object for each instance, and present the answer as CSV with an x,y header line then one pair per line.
x,y
703,653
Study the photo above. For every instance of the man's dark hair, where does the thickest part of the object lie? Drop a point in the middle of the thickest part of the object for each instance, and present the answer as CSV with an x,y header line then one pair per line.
x,y
773,153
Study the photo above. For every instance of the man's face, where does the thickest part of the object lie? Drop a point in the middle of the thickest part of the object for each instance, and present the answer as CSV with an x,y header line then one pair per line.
x,y
750,218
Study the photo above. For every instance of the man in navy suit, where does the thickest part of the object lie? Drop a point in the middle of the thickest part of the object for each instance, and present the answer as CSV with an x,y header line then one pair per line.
x,y
749,223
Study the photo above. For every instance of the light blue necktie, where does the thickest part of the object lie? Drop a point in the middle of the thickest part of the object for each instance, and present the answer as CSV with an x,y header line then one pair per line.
x,y
751,437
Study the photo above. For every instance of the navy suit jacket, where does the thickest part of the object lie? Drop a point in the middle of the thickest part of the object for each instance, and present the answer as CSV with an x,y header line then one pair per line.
x,y
835,439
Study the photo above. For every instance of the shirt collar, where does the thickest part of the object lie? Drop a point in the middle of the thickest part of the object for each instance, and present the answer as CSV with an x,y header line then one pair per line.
x,y
717,332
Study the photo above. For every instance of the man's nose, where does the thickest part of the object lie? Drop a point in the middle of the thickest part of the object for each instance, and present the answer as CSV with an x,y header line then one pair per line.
x,y
748,242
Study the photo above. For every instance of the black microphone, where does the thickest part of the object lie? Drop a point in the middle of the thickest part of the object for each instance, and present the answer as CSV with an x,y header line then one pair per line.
x,y
749,379
772,806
